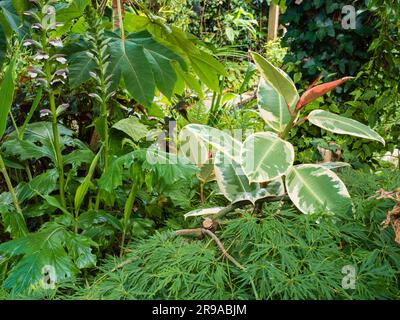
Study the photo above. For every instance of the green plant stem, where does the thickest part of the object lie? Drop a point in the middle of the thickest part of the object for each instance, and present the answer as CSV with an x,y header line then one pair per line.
x,y
289,126
121,20
10,187
127,213
104,114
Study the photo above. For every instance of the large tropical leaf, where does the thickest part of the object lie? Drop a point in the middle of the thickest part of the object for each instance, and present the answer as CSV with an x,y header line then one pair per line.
x,y
272,107
220,141
132,127
143,64
265,157
234,184
38,142
278,79
313,188
192,146
54,248
342,125
6,94
3,45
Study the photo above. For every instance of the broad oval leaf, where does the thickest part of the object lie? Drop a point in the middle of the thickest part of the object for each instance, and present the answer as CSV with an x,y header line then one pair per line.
x,y
265,156
234,184
219,140
342,125
192,146
203,212
278,79
132,127
312,188
272,107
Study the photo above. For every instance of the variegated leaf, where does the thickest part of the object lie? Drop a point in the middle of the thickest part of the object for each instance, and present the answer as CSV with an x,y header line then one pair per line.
x,y
219,140
313,188
203,212
265,157
334,165
234,184
192,146
342,125
278,79
272,107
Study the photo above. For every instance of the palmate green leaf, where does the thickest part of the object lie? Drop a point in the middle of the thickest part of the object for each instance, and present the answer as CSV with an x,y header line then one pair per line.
x,y
265,156
74,10
132,127
112,177
79,66
220,141
143,64
53,247
278,79
342,125
14,224
272,107
44,183
313,188
7,95
234,184
38,142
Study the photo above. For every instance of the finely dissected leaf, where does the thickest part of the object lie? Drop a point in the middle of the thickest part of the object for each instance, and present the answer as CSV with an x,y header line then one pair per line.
x,y
50,248
341,125
265,156
219,140
84,186
272,107
234,184
203,212
132,127
279,80
313,188
7,95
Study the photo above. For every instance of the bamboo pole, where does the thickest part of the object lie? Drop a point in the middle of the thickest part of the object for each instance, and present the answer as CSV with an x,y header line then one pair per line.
x,y
273,22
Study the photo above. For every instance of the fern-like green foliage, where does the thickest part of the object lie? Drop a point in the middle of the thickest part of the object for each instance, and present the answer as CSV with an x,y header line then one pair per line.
x,y
286,255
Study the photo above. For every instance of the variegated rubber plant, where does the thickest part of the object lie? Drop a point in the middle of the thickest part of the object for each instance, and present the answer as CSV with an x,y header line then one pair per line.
x,y
262,167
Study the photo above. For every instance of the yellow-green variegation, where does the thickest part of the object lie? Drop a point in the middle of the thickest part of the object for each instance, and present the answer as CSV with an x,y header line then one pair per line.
x,y
278,79
203,212
265,156
219,140
272,107
313,188
342,125
234,184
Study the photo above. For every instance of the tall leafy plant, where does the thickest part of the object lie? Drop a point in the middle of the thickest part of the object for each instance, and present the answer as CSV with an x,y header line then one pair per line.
x,y
253,171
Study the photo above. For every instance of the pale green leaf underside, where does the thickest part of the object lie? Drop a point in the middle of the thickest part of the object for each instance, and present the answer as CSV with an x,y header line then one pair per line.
x,y
278,79
265,157
313,188
341,125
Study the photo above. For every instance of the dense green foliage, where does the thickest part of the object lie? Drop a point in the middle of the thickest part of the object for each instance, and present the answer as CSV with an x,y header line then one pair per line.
x,y
106,105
